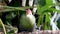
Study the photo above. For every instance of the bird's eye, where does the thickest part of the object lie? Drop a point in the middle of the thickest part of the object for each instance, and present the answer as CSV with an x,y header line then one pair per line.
x,y
29,14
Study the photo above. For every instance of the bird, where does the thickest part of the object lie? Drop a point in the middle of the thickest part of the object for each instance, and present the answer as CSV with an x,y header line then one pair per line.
x,y
27,22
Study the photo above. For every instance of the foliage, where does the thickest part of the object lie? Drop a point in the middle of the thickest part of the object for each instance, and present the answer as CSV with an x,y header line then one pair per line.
x,y
44,7
45,10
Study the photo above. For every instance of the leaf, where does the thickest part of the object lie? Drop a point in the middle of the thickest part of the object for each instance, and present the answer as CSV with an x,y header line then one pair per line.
x,y
45,9
47,21
2,25
49,2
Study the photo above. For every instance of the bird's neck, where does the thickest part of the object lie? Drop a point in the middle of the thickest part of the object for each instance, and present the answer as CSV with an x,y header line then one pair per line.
x,y
29,15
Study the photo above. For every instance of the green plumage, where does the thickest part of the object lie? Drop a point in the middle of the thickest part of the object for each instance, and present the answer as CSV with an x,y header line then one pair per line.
x,y
26,24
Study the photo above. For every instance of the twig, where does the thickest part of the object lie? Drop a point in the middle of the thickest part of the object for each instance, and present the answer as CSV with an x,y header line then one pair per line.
x,y
3,26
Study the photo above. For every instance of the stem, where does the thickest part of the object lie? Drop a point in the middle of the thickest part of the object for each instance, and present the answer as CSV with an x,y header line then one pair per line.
x,y
3,26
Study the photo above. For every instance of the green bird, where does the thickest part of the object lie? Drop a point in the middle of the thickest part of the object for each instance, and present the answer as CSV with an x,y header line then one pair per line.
x,y
27,22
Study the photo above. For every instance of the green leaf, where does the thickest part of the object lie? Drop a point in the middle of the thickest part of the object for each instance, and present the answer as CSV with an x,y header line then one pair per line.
x,y
49,2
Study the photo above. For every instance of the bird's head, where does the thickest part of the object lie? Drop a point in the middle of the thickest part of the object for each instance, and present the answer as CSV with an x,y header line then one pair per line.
x,y
28,12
